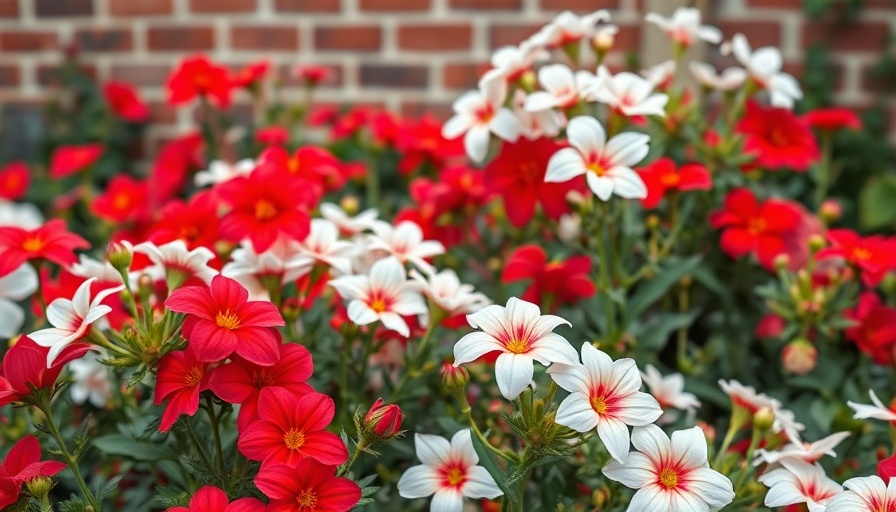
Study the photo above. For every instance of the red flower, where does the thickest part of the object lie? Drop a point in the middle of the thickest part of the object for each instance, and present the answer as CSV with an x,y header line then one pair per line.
x,y
124,199
874,256
833,119
886,468
875,329
311,163
777,138
751,227
421,143
21,465
194,222
51,242
661,176
25,367
123,99
770,326
308,487
213,499
312,75
14,180
68,160
266,205
241,381
272,136
176,159
517,175
553,283
221,321
384,128
350,123
384,420
291,428
250,75
198,76
180,379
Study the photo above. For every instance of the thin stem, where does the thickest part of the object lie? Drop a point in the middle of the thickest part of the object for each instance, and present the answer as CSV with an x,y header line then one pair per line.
x,y
373,184
198,443
359,447
69,458
414,362
213,418
754,442
606,284
823,176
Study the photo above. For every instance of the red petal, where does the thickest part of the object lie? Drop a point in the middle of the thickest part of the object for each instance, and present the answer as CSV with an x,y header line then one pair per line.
x,y
232,382
209,499
737,242
260,345
694,177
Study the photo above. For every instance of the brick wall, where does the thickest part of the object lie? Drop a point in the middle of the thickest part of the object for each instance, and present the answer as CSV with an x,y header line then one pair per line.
x,y
408,55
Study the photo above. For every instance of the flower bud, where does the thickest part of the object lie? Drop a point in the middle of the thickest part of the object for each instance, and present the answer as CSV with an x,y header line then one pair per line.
x,y
528,80
350,204
816,243
454,377
384,420
764,419
600,497
603,41
120,255
653,221
781,262
799,357
830,211
39,487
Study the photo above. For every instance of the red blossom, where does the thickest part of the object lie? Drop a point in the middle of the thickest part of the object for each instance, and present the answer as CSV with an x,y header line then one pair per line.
x,y
25,367
291,428
662,176
272,135
777,138
197,76
347,125
125,102
124,199
833,119
195,222
875,329
14,180
421,144
175,161
770,326
312,75
21,465
384,420
551,282
68,160
874,256
886,468
752,227
250,75
311,163
52,242
213,499
308,487
241,381
385,128
181,378
221,320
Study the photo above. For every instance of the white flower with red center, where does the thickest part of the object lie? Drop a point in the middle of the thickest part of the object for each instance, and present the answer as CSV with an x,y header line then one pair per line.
x,y
384,295
669,393
172,261
568,28
563,89
523,335
747,398
446,291
671,475
799,482
323,245
607,165
275,267
684,27
628,93
449,472
798,449
15,287
533,125
347,224
404,242
728,80
865,494
604,394
511,62
103,271
764,66
478,114
660,75
878,411
220,171
72,318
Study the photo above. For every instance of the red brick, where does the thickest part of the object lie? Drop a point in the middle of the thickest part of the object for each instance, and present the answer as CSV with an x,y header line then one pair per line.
x,y
150,75
462,76
264,37
866,36
19,41
416,109
48,75
435,38
486,5
394,76
9,8
162,112
9,76
139,7
334,75
346,38
579,6
105,40
759,33
778,4
628,38
59,8
395,5
192,38
212,6
503,35
309,5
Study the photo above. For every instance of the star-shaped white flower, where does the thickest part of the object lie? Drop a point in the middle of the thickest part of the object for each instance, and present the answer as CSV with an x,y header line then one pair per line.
x,y
684,27
282,263
877,411
478,114
173,260
764,66
628,93
323,245
799,482
404,242
798,449
568,28
534,125
510,62
669,393
15,287
220,171
563,89
347,224
728,80
865,494
446,291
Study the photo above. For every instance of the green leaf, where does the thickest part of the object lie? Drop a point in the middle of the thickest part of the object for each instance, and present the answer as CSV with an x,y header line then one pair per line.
x,y
653,290
657,330
117,444
487,460
877,208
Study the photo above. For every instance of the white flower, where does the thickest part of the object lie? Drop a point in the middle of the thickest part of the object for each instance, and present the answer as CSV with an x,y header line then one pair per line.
x,y
670,475
449,473
568,28
103,271
323,244
91,380
533,125
865,494
447,292
669,392
728,80
764,66
347,224
480,113
383,295
173,259
220,171
21,215
747,397
877,411
797,449
660,74
562,88
71,318
405,242
628,93
607,165
283,262
15,287
510,62
684,26
799,482
523,335
569,227
604,394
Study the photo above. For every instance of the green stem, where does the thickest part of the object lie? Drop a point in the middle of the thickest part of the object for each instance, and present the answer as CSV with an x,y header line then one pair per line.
x,y
213,418
823,177
373,184
606,283
754,442
69,458
198,443
359,447
413,363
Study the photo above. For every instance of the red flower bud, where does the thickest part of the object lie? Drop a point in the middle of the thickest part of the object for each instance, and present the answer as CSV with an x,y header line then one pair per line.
x,y
454,377
384,420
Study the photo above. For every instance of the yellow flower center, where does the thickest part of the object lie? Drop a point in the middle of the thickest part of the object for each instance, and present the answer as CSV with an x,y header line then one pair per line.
x,y
33,244
294,439
599,404
227,320
293,165
264,210
669,478
861,253
517,346
455,477
378,305
121,201
194,376
596,168
307,498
